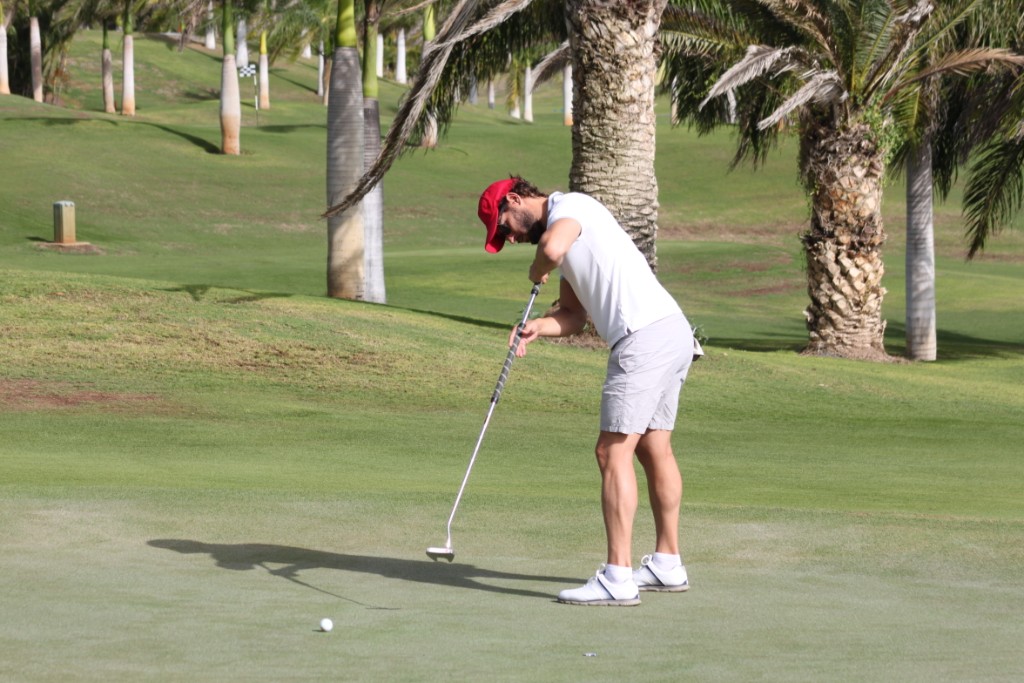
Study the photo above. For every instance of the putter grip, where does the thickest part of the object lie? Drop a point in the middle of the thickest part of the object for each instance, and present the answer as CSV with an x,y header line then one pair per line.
x,y
496,396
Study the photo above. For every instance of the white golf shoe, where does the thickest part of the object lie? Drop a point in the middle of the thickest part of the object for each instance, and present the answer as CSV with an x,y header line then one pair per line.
x,y
600,590
649,577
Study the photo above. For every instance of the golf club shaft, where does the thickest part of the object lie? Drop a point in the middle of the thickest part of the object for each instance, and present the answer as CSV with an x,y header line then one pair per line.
x,y
494,401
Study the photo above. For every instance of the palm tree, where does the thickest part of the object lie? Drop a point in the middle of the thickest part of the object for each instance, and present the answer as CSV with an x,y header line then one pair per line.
x,y
5,82
128,61
345,135
264,66
373,203
230,104
76,13
35,42
846,72
107,71
939,143
210,40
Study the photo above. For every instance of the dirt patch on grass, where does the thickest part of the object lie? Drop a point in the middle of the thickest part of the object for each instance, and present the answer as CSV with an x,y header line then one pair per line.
x,y
73,248
31,395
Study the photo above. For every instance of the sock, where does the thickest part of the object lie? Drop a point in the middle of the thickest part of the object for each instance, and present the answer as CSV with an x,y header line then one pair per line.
x,y
617,574
667,562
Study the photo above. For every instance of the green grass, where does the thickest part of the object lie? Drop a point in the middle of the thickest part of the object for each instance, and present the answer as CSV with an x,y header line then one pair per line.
x,y
201,456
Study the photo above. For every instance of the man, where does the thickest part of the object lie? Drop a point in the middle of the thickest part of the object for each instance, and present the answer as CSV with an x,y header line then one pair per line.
x,y
605,276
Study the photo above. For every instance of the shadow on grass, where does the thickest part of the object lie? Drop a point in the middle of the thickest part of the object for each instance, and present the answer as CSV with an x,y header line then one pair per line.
x,y
954,346
205,145
292,128
199,142
765,344
297,84
198,293
478,322
287,562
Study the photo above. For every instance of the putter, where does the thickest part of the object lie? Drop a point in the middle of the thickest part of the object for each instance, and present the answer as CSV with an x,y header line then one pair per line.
x,y
447,553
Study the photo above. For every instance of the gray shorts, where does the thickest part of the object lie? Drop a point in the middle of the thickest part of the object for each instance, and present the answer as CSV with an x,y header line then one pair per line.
x,y
646,370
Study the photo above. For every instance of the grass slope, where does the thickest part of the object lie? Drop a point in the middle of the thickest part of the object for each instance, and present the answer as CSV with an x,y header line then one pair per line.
x,y
200,456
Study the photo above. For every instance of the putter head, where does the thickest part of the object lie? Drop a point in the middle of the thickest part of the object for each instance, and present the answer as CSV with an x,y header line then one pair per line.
x,y
441,554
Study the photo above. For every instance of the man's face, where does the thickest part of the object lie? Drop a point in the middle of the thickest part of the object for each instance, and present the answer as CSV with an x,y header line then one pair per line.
x,y
517,223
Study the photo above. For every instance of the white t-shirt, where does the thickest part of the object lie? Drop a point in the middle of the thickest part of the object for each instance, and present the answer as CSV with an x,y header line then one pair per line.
x,y
610,276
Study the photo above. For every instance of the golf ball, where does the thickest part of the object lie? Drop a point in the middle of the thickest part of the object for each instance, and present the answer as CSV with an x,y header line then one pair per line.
x,y
326,625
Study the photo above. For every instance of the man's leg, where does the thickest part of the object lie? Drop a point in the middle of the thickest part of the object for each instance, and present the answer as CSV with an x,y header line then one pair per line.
x,y
618,493
665,487
613,584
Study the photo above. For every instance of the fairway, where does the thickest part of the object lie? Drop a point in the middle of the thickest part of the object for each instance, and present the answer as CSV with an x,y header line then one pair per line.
x,y
201,456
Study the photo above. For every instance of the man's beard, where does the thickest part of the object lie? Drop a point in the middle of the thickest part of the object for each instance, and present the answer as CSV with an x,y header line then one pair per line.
x,y
536,231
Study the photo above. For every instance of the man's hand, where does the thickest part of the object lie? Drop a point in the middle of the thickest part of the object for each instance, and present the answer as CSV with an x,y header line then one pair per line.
x,y
531,331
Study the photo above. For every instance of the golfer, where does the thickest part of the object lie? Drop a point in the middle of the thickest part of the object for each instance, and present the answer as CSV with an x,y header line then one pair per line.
x,y
604,276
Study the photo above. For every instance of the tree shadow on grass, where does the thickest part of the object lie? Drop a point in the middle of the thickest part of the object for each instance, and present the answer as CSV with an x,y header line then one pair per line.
x,y
287,79
198,293
288,562
199,142
954,346
478,322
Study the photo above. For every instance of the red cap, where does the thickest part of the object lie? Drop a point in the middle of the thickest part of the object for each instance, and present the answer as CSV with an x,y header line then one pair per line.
x,y
488,212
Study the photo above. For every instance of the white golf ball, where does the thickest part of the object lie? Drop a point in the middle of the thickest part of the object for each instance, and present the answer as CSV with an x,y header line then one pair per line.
x,y
326,625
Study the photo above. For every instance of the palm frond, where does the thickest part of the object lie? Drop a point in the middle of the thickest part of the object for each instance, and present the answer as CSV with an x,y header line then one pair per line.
x,y
805,17
961,63
551,64
994,190
758,61
823,87
694,32
901,56
873,37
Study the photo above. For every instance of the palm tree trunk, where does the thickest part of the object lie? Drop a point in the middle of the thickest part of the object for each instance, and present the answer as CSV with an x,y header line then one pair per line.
x,y
107,73
345,134
230,102
230,107
567,95
614,63
373,202
5,79
920,332
242,46
380,56
264,100
211,34
528,93
430,132
128,68
320,71
36,58
843,244
373,209
400,74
